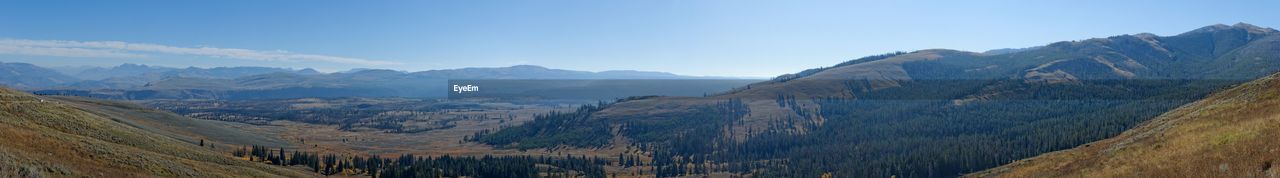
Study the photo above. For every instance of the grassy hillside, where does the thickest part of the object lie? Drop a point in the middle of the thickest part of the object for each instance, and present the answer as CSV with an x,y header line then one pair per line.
x,y
48,137
1229,134
169,124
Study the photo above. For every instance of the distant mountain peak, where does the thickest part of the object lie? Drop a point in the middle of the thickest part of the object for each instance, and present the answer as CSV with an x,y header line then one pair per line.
x,y
1253,28
378,71
354,70
1009,50
1238,26
28,76
1146,35
132,65
526,66
939,50
630,71
1209,29
1246,25
308,71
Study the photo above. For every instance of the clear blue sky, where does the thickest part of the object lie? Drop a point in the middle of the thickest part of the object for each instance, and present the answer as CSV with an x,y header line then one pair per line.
x,y
720,38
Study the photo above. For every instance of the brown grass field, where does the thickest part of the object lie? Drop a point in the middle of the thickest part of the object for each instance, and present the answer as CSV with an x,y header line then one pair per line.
x,y
45,137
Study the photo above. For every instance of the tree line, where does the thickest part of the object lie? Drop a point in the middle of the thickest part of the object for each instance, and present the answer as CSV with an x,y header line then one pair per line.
x,y
409,165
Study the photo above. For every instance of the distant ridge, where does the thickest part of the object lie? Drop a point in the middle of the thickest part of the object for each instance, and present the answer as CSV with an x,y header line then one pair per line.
x,y
135,81
27,76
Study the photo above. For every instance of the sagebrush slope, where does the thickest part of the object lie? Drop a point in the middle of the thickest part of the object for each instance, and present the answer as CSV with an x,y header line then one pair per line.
x,y
44,137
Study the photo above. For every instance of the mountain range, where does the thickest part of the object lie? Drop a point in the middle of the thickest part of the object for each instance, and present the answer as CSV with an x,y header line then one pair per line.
x,y
134,81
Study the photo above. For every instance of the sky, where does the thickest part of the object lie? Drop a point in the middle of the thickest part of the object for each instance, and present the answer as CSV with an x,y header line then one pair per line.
x,y
744,38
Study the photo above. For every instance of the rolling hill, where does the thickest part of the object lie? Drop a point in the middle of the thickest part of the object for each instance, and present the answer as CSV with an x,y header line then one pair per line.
x,y
928,113
1229,134
60,138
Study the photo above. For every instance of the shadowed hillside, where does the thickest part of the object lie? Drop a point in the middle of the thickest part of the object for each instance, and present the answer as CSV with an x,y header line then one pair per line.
x,y
47,137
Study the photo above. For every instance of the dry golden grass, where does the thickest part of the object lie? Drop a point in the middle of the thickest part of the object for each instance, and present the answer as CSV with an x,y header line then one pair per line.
x,y
43,137
1233,133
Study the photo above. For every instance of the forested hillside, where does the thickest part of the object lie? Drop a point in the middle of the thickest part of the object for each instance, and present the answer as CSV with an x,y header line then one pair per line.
x,y
929,113
1229,134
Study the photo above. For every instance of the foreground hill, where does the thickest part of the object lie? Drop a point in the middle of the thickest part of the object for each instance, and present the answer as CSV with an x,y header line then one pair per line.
x,y
48,137
1229,134
928,113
